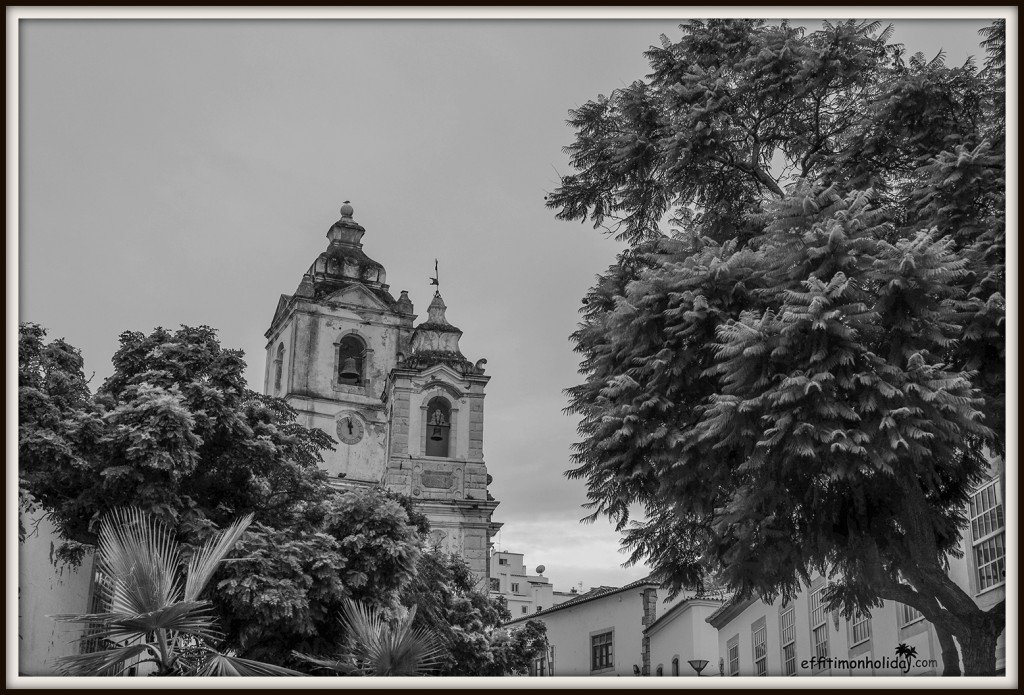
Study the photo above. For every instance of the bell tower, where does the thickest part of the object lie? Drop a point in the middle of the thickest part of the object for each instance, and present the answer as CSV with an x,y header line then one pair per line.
x,y
403,404
435,402
331,346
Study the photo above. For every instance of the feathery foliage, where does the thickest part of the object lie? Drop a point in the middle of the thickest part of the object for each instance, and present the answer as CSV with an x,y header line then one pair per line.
x,y
798,363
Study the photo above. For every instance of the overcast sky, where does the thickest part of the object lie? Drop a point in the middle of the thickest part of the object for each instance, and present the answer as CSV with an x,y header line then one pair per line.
x,y
186,172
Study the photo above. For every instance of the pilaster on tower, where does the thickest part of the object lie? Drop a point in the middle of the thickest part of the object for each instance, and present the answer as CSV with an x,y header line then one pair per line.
x,y
435,398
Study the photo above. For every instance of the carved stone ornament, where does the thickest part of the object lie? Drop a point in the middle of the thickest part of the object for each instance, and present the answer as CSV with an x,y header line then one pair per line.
x,y
438,480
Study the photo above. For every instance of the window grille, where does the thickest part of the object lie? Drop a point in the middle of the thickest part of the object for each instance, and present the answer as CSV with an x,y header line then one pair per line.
x,y
988,536
860,628
734,656
788,622
908,615
601,651
819,623
760,638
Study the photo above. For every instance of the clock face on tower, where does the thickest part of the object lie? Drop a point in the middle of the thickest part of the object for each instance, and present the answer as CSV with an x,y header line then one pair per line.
x,y
350,428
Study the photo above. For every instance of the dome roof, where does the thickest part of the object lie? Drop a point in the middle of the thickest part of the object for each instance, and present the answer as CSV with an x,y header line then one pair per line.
x,y
435,341
344,262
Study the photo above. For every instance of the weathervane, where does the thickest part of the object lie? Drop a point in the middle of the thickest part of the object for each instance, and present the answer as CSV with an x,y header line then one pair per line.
x,y
435,280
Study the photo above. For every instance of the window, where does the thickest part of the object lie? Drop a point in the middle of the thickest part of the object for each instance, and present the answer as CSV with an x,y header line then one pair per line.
x,y
787,621
733,649
538,667
819,623
909,614
515,587
526,609
278,367
502,560
495,584
675,665
988,536
759,637
989,556
860,628
351,351
439,418
660,671
601,651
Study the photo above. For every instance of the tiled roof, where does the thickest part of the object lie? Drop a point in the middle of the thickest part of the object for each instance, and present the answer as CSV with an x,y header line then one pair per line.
x,y
599,592
728,611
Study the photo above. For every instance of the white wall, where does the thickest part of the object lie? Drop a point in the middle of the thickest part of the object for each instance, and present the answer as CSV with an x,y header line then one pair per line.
x,y
885,635
686,635
44,590
569,630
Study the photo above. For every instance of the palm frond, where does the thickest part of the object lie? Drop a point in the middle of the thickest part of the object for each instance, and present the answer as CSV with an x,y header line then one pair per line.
x,y
204,563
139,559
340,666
192,618
110,662
225,665
383,649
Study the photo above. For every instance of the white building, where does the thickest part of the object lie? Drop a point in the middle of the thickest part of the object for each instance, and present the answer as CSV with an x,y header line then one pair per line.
x,y
601,632
682,634
761,639
524,593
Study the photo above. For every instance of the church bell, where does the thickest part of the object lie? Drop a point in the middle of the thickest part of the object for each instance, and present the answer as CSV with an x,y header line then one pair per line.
x,y
348,370
436,434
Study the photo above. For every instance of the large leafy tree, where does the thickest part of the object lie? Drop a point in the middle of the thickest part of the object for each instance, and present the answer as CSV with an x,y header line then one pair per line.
x,y
287,590
798,363
468,622
175,432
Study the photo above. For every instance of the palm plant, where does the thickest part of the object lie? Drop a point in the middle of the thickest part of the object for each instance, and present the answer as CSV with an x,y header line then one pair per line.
x,y
378,647
153,611
905,650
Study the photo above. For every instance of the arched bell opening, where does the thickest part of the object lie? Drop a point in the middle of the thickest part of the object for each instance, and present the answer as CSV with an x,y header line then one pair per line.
x,y
351,362
439,425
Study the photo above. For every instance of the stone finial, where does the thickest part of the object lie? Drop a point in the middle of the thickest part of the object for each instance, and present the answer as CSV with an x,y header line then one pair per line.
x,y
435,312
346,210
404,304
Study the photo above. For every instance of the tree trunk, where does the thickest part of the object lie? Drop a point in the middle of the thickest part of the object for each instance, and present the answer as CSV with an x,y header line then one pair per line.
x,y
950,653
979,650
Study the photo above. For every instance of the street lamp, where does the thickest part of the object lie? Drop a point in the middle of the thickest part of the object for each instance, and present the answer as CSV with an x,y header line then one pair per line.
x,y
698,665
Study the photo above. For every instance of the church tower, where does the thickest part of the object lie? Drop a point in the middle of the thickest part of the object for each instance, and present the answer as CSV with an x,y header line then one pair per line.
x,y
403,403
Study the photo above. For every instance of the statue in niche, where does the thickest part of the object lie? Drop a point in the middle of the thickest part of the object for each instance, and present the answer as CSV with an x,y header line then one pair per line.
x,y
437,539
446,541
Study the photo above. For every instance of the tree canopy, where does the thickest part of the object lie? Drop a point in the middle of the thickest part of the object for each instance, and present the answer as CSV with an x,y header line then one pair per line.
x,y
469,622
798,362
175,432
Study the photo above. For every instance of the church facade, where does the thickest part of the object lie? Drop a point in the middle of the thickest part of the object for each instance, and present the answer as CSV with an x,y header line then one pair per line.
x,y
403,403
